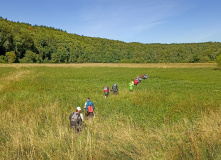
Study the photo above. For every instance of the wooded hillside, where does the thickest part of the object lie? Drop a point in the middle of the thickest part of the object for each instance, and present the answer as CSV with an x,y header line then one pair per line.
x,y
25,43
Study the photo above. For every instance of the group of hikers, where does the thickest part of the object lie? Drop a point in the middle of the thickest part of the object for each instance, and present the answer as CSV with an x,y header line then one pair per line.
x,y
136,81
76,118
107,90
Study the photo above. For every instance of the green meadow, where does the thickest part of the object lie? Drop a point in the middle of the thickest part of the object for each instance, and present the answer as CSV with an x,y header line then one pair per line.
x,y
174,114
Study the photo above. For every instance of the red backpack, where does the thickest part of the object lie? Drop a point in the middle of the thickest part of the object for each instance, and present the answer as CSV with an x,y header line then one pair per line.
x,y
135,81
106,89
90,109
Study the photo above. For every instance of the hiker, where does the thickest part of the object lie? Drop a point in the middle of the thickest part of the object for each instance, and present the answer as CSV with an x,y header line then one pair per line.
x,y
76,119
135,82
131,86
89,106
106,91
114,89
145,76
138,79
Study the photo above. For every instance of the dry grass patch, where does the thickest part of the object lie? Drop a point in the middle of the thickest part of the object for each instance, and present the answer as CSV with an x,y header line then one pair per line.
x,y
127,65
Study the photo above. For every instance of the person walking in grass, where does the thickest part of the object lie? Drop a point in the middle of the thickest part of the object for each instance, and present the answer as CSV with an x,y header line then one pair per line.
x,y
89,109
106,91
131,86
76,119
135,81
145,76
114,89
138,79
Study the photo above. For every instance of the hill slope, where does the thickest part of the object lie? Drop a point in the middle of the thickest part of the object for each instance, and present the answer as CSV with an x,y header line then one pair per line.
x,y
22,42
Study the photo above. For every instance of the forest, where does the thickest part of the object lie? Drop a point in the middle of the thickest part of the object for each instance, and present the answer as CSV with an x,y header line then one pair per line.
x,y
26,43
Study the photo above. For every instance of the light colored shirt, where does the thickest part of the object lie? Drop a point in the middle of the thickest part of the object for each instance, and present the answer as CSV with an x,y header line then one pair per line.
x,y
82,117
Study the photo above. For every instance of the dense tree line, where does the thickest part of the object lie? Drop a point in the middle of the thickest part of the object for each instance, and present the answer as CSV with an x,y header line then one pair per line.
x,y
25,43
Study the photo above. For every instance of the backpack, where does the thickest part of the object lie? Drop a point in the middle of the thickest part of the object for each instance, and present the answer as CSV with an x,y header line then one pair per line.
x,y
75,118
114,87
106,89
90,106
90,109
135,81
146,76
131,87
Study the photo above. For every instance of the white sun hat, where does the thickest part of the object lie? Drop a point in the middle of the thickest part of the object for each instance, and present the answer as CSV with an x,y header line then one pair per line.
x,y
79,108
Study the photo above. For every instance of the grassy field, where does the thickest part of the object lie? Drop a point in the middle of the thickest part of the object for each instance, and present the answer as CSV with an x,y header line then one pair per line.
x,y
175,114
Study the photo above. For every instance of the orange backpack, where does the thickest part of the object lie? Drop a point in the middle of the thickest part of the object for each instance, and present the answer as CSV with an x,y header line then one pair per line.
x,y
90,109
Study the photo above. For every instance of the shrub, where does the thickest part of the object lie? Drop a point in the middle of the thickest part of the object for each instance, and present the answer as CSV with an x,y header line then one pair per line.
x,y
10,56
2,59
30,57
218,61
54,58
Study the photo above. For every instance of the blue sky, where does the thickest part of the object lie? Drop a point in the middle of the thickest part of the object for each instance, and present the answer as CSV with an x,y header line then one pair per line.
x,y
144,21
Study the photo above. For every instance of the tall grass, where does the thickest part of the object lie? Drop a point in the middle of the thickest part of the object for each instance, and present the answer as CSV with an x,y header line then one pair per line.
x,y
172,115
